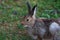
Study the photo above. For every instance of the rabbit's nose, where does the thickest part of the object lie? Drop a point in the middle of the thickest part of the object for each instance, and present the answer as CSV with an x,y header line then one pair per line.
x,y
22,23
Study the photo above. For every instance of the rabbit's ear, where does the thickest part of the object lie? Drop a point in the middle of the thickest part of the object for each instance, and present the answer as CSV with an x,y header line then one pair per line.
x,y
34,10
29,6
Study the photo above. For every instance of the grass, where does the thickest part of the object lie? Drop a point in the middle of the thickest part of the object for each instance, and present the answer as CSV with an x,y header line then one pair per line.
x,y
11,12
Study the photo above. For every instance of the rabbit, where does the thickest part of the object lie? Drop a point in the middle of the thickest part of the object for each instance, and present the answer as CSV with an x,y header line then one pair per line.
x,y
40,28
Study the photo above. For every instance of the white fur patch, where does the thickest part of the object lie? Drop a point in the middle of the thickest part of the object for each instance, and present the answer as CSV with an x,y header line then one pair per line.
x,y
34,13
25,25
54,27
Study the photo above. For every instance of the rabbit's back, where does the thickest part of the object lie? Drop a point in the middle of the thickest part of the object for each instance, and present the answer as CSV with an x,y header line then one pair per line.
x,y
43,27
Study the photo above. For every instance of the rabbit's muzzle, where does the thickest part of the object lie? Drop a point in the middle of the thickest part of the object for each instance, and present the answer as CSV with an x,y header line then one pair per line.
x,y
24,24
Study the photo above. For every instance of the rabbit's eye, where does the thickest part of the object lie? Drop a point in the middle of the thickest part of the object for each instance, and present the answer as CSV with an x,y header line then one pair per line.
x,y
27,20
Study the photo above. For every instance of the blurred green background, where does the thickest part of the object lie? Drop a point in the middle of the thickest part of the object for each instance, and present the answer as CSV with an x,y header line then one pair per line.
x,y
11,12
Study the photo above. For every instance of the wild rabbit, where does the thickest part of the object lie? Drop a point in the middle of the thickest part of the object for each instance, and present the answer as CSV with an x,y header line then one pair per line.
x,y
39,28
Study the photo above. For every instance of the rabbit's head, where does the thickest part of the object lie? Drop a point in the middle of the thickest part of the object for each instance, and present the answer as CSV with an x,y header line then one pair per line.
x,y
29,19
